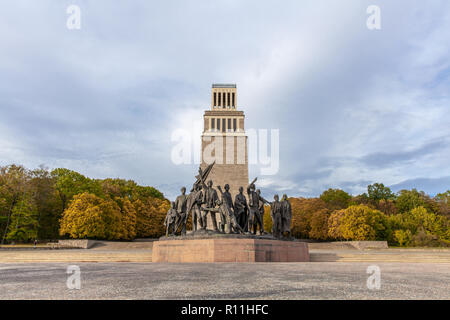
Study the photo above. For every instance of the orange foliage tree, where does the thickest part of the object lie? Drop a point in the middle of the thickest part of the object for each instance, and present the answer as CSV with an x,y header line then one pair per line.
x,y
303,225
150,215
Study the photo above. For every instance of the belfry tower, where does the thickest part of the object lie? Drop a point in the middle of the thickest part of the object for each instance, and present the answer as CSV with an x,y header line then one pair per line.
x,y
224,140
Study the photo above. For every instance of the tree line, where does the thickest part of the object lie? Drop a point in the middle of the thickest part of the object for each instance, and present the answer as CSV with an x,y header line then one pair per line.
x,y
406,218
61,203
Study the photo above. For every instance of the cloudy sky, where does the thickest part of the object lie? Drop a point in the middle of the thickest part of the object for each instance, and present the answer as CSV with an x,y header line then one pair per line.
x,y
353,106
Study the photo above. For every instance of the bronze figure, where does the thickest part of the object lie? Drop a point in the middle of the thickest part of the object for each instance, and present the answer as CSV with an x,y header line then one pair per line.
x,y
276,212
241,209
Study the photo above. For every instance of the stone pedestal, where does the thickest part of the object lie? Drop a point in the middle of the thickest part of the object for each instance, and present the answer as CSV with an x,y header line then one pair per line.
x,y
229,249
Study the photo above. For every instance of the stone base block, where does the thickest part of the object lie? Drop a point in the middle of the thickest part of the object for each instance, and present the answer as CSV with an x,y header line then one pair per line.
x,y
77,243
229,250
362,245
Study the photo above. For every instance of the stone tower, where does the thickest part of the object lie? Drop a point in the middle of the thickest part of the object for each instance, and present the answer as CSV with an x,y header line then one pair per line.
x,y
224,140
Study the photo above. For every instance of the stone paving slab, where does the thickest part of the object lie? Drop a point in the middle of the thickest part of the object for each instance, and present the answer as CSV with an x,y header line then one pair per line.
x,y
328,280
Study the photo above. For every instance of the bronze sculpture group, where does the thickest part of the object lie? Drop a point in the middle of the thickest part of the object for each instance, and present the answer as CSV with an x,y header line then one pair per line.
x,y
244,216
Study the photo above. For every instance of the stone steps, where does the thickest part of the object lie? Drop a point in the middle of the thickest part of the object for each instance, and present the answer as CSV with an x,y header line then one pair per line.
x,y
373,257
145,255
63,256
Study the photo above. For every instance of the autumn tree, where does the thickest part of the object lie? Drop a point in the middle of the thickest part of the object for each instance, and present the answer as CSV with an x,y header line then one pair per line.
x,y
128,218
319,225
359,223
388,207
302,213
334,225
150,215
267,219
410,199
421,227
91,217
443,201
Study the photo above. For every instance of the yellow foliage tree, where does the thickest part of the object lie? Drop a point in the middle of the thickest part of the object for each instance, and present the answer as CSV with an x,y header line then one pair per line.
x,y
319,225
89,216
267,219
358,222
334,224
128,218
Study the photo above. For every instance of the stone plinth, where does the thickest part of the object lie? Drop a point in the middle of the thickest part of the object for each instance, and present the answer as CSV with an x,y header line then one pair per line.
x,y
233,249
77,243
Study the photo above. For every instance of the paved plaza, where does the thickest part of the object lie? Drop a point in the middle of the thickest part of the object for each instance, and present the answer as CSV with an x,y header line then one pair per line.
x,y
324,280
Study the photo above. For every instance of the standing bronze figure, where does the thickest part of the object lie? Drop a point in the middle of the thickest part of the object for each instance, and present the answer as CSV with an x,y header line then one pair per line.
x,y
226,196
231,225
180,207
171,217
276,211
261,203
210,199
241,209
254,216
194,203
286,216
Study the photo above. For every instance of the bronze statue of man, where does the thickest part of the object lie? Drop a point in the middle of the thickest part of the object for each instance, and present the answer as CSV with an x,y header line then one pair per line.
x,y
194,203
170,220
180,206
286,216
260,208
254,216
228,214
226,196
276,211
210,199
241,209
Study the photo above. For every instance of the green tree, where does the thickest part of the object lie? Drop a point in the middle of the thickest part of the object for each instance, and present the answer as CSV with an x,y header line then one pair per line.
x,y
47,201
409,199
336,199
13,184
128,189
69,183
443,202
378,191
24,222
444,197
